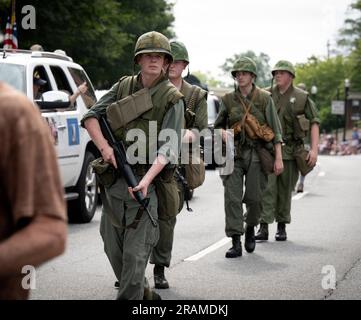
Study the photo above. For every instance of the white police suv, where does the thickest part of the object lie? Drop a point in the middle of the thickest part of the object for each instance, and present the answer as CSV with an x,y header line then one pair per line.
x,y
51,79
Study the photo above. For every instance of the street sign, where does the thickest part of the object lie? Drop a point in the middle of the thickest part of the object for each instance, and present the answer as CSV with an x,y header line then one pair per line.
x,y
338,107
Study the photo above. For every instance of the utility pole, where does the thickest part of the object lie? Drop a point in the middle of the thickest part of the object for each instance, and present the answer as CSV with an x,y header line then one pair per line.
x,y
328,49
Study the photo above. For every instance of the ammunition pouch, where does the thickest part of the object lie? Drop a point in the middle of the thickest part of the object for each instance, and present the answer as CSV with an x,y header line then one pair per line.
x,y
301,126
124,111
106,173
168,194
195,172
300,155
266,159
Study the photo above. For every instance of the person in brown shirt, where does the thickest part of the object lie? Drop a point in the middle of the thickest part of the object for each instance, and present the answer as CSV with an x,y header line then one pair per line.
x,y
32,207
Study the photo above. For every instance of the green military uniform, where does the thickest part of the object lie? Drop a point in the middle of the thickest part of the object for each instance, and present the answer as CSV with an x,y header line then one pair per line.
x,y
247,167
294,102
128,248
162,252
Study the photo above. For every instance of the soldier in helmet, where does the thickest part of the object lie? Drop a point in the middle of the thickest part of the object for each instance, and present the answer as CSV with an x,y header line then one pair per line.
x,y
301,181
127,232
246,99
298,115
161,254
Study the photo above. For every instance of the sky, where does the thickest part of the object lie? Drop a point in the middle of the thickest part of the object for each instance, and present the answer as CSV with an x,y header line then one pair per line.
x,y
294,30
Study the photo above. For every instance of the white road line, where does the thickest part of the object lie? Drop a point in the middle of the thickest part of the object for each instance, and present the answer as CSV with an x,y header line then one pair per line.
x,y
210,249
299,196
322,174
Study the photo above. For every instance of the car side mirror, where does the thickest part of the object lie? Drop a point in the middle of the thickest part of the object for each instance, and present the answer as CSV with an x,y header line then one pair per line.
x,y
54,100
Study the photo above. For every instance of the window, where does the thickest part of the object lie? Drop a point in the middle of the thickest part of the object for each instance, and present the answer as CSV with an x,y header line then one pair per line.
x,y
41,72
13,75
80,77
61,80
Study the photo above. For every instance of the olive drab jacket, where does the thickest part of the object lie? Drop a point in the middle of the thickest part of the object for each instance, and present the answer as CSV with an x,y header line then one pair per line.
x,y
165,97
262,108
297,112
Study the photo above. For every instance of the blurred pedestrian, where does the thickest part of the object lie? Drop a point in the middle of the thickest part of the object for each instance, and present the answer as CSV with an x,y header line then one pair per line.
x,y
32,206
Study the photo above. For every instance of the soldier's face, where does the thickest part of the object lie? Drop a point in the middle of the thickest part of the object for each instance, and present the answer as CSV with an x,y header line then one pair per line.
x,y
244,79
176,69
152,63
283,78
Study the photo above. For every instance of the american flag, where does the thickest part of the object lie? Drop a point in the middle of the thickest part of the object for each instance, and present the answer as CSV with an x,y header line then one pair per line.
x,y
11,31
8,42
15,36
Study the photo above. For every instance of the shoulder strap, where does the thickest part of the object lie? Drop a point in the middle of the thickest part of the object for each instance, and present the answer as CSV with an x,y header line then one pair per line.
x,y
120,87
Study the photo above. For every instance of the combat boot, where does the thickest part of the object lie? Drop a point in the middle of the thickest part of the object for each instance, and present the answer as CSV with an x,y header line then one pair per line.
x,y
262,233
281,234
250,241
236,250
160,282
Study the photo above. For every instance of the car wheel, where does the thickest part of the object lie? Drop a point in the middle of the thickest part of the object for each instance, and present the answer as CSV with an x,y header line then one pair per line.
x,y
82,210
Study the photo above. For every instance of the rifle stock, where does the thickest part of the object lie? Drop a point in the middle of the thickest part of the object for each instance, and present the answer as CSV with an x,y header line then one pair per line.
x,y
123,166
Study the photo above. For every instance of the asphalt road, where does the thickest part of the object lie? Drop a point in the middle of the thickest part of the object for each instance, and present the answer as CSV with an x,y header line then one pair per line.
x,y
321,259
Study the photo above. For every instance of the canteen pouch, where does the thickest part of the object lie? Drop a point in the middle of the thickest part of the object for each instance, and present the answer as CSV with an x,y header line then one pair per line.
x,y
124,111
105,172
300,156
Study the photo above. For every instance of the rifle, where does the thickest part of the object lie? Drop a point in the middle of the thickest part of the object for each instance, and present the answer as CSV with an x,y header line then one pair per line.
x,y
124,167
180,177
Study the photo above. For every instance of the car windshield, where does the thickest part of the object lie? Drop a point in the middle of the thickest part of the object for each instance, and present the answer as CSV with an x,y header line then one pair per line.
x,y
13,75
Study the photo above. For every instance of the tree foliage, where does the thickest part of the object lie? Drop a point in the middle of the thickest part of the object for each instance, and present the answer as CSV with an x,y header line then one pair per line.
x,y
262,61
98,34
328,76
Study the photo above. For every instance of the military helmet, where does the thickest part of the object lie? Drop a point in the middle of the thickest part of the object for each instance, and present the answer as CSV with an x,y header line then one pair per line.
x,y
153,42
179,51
244,64
284,65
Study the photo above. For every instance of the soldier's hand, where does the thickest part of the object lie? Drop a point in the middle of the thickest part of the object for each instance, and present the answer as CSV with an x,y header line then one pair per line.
x,y
108,155
142,186
312,158
278,167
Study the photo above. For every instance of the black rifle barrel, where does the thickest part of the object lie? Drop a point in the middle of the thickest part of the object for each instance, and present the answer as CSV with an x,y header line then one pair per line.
x,y
124,167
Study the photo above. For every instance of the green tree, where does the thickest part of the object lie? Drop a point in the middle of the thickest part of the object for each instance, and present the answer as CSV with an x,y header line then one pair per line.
x,y
208,79
328,76
262,60
350,37
98,34
350,34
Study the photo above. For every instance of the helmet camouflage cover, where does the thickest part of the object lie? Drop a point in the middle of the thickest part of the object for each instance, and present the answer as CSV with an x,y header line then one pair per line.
x,y
284,65
153,42
244,64
179,51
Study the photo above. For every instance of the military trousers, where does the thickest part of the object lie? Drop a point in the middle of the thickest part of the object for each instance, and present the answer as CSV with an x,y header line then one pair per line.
x,y
247,172
128,249
167,213
162,252
277,198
